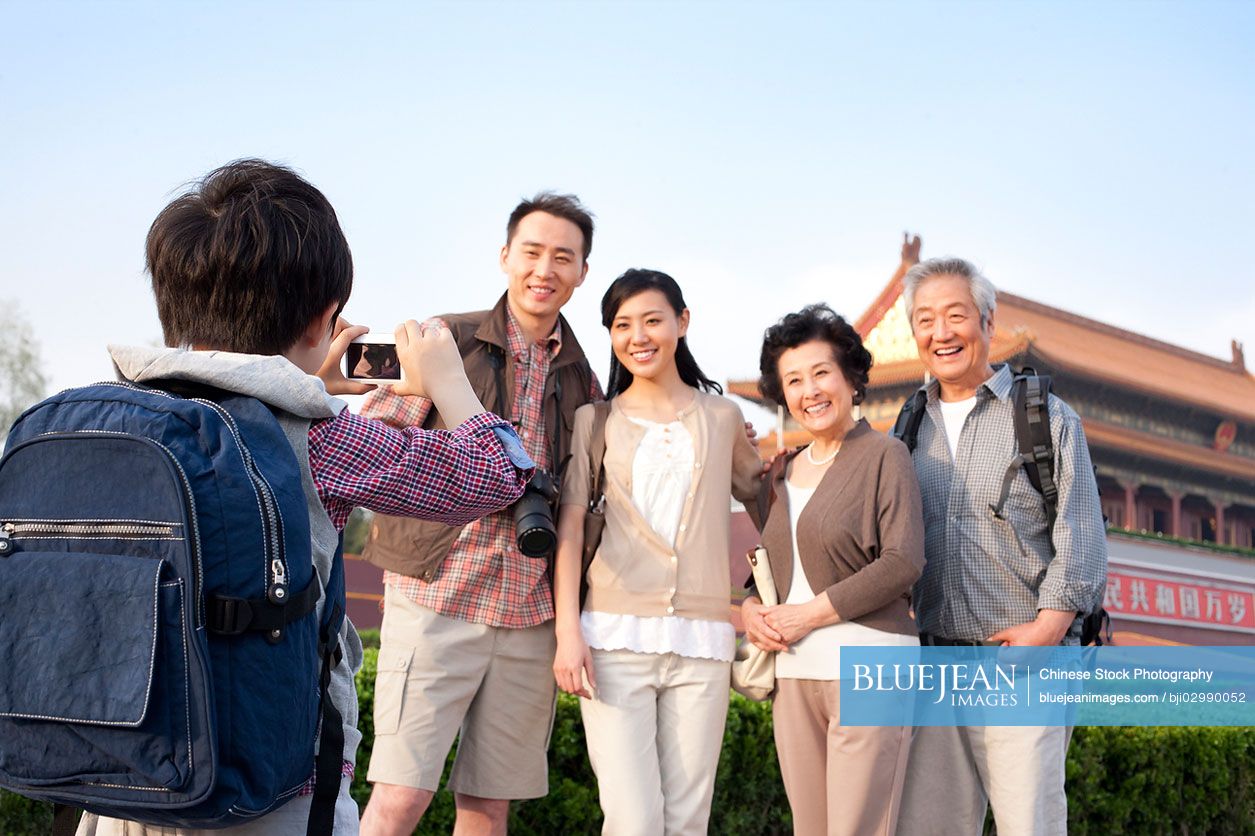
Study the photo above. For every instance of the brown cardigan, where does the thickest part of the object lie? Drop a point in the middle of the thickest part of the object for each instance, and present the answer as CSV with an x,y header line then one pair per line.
x,y
861,535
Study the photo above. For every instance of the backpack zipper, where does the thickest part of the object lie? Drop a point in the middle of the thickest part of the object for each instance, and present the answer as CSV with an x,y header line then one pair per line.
x,y
276,582
121,529
275,573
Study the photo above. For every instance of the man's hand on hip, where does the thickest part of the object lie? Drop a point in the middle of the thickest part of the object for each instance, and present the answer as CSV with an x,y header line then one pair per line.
x,y
1047,630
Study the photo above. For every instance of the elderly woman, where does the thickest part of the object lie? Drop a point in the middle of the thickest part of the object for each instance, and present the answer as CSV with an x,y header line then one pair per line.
x,y
845,540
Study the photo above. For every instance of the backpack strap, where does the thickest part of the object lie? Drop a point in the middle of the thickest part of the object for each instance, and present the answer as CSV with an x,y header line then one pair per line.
x,y
597,485
906,427
597,454
65,820
1030,405
329,762
1030,396
1095,627
229,616
1030,399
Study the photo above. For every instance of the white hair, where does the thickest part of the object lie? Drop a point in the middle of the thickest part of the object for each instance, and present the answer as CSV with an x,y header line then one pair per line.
x,y
984,294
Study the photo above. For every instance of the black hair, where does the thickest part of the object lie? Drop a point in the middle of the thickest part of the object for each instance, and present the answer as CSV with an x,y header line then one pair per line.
x,y
625,287
565,206
814,322
247,259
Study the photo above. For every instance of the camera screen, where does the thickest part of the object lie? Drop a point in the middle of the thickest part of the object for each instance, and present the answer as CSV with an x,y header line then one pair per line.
x,y
372,361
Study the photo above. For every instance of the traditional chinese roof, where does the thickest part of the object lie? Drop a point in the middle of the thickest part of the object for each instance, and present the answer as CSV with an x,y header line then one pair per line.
x,y
1168,450
1065,341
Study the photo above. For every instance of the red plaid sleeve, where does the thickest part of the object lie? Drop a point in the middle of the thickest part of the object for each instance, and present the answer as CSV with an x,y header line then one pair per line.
x,y
449,476
396,410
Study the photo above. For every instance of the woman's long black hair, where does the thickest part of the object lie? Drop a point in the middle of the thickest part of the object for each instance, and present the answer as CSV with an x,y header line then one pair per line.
x,y
625,287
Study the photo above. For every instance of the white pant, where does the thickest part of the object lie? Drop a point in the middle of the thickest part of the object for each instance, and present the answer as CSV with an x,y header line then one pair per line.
x,y
654,731
954,773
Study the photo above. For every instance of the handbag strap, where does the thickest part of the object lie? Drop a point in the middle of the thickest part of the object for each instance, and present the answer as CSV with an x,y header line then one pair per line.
x,y
597,454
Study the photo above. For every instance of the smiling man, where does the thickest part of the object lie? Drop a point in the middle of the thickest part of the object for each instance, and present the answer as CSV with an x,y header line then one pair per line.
x,y
1001,567
467,642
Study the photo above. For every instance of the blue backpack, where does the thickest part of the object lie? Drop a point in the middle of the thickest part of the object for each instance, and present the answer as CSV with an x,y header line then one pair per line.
x,y
161,658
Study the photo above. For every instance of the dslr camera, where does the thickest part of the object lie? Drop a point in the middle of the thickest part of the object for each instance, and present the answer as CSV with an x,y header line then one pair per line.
x,y
534,530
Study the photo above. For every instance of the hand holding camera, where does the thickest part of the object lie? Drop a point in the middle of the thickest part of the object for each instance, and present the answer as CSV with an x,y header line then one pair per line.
x,y
423,360
431,367
345,381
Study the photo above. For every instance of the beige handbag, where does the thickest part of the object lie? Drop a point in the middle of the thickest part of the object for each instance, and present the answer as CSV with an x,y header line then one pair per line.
x,y
754,669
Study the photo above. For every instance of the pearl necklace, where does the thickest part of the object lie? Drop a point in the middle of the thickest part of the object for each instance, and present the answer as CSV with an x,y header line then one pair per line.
x,y
811,456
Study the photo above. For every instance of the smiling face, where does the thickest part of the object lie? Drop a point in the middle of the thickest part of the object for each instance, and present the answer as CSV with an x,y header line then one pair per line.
x,y
952,341
644,334
816,391
544,263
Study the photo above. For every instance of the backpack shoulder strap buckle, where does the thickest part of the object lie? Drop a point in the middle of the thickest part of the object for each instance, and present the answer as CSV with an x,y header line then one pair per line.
x,y
228,616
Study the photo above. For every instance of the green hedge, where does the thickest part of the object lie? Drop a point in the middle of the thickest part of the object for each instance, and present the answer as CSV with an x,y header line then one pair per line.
x,y
1157,780
1161,779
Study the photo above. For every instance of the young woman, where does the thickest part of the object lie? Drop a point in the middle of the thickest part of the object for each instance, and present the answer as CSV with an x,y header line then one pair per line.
x,y
845,538
650,653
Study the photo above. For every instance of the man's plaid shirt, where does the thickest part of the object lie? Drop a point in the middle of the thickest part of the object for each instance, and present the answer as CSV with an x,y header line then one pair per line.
x,y
984,574
485,578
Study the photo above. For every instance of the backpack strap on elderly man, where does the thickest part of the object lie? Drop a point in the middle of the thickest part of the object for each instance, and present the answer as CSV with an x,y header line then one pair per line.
x,y
1030,399
906,427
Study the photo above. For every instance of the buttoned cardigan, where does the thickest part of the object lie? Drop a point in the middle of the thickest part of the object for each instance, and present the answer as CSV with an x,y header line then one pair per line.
x,y
635,572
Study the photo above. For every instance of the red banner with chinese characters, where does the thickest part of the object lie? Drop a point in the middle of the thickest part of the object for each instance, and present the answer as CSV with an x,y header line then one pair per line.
x,y
1147,595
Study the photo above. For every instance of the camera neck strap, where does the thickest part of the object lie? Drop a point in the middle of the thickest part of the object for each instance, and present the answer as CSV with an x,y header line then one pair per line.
x,y
557,463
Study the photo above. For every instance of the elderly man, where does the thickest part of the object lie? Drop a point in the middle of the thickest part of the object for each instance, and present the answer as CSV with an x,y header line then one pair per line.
x,y
1023,576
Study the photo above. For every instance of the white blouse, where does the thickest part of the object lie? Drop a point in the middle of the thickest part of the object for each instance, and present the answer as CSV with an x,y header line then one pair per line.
x,y
662,473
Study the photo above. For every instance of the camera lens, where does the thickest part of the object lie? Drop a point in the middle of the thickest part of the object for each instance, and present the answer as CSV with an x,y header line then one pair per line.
x,y
533,526
539,541
533,516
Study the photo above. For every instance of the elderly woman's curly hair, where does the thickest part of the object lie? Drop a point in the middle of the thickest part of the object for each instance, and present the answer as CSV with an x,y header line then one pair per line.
x,y
814,322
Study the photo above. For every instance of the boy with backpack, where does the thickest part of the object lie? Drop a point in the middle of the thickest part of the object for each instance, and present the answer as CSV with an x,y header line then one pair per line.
x,y
250,271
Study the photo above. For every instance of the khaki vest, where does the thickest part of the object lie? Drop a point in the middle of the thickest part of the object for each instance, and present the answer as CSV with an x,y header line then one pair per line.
x,y
417,548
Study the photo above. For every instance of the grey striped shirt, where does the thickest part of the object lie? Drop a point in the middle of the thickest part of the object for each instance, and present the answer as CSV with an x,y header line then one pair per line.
x,y
984,574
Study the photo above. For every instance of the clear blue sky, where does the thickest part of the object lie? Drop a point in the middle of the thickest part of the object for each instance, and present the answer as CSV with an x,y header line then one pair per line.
x,y
1093,156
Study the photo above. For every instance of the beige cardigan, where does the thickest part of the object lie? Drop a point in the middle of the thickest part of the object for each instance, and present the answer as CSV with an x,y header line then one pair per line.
x,y
634,572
